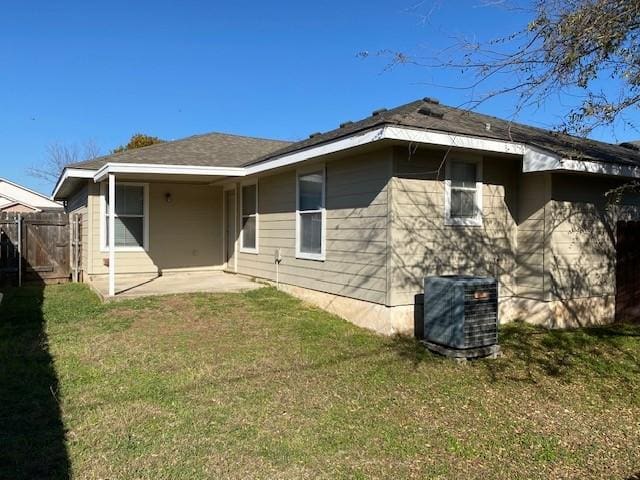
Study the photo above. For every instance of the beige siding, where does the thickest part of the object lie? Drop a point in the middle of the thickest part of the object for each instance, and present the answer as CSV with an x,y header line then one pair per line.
x,y
78,204
356,202
422,245
581,258
534,194
183,234
17,208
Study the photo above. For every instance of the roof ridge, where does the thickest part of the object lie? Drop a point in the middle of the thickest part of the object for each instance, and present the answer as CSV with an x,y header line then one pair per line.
x,y
173,142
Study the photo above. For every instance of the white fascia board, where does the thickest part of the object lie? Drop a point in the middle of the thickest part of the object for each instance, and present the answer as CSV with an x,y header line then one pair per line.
x,y
71,173
391,133
313,152
537,160
450,140
142,168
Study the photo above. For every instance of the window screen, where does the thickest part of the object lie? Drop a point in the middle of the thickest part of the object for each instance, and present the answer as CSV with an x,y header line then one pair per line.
x,y
311,213
249,211
129,218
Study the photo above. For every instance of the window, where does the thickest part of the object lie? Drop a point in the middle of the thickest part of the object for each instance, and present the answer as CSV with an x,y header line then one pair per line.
x,y
310,216
130,217
463,193
249,202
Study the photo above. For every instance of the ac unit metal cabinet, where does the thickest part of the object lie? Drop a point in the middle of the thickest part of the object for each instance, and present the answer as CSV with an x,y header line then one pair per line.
x,y
461,312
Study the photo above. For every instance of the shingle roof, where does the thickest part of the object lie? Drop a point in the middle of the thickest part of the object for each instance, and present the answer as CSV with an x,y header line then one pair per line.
x,y
211,149
464,122
218,149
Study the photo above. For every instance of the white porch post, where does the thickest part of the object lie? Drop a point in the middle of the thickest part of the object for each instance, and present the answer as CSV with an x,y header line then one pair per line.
x,y
112,235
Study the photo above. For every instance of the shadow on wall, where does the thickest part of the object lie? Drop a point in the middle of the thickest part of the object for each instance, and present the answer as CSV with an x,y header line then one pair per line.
x,y
557,251
32,433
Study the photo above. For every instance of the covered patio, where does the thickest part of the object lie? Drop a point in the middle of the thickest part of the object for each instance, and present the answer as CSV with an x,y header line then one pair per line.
x,y
141,285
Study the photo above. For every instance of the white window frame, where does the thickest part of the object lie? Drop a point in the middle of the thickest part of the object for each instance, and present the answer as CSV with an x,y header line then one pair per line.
x,y
244,249
477,220
104,218
323,211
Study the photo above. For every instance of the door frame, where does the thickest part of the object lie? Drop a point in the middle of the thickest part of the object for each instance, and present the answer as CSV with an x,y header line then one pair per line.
x,y
225,252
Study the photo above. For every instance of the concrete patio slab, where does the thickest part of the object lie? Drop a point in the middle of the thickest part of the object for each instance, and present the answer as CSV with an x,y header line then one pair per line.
x,y
128,286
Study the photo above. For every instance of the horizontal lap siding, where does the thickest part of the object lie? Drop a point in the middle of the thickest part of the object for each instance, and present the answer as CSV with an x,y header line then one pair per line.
x,y
185,233
79,204
534,194
356,231
581,260
422,245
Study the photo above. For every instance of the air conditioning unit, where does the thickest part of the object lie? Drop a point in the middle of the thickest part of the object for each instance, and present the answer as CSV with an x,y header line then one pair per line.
x,y
461,316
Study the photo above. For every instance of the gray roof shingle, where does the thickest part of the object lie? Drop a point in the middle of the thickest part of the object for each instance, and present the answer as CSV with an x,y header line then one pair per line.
x,y
465,122
211,150
226,150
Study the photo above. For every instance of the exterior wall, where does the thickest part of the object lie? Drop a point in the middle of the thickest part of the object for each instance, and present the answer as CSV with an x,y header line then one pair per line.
x,y
581,254
421,243
27,197
356,231
534,195
185,234
17,209
78,204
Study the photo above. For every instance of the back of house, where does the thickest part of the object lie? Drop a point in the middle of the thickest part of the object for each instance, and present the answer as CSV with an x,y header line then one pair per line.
x,y
353,219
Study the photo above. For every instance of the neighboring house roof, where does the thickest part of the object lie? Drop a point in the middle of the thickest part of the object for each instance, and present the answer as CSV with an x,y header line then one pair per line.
x,y
211,149
12,193
430,115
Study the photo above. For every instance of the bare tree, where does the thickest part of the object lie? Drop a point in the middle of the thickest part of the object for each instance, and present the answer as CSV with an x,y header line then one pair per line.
x,y
585,52
59,156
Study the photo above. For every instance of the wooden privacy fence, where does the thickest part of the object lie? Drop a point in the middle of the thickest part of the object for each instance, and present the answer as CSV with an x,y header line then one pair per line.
x,y
40,247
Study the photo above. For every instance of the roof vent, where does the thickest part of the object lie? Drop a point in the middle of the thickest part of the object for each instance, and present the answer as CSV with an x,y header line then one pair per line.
x,y
631,145
346,124
435,101
378,112
315,134
427,112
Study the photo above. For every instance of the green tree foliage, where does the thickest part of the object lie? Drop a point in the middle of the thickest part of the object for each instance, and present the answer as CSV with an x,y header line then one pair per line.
x,y
138,140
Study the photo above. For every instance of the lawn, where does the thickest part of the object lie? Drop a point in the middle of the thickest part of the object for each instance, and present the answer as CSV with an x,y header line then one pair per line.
x,y
260,385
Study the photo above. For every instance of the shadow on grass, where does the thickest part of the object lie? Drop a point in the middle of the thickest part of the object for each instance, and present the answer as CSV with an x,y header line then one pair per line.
x,y
32,434
606,352
611,351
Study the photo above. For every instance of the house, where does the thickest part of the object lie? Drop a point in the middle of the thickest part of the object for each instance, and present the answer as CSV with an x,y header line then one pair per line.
x,y
359,215
16,198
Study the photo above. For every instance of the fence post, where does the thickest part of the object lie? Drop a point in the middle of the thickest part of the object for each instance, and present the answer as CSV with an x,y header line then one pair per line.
x,y
19,226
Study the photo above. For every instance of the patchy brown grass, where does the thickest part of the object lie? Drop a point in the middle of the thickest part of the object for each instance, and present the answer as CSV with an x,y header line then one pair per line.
x,y
260,385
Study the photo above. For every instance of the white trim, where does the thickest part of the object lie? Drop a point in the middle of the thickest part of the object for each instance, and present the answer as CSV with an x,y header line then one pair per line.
x,y
145,221
534,158
477,220
22,187
71,173
142,168
244,249
453,140
323,214
112,234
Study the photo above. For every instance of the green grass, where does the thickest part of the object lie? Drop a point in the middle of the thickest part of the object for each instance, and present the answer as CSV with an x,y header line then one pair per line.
x,y
260,385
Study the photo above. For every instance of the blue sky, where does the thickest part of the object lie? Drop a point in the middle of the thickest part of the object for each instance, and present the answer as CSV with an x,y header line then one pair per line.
x,y
73,71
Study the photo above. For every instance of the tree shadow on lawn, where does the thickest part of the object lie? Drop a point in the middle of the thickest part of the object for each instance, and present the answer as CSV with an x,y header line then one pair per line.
x,y
611,351
32,434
